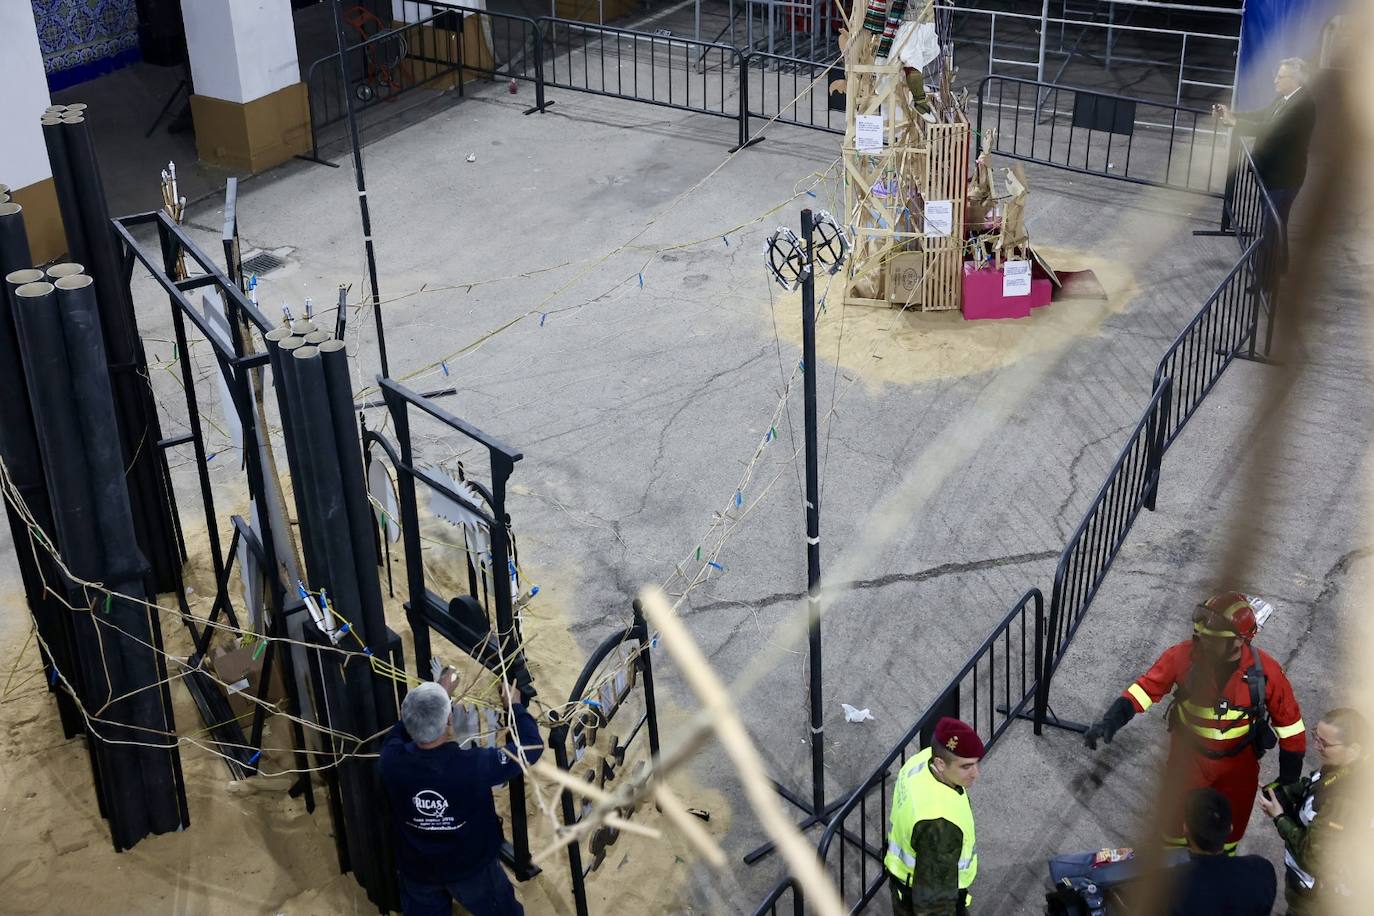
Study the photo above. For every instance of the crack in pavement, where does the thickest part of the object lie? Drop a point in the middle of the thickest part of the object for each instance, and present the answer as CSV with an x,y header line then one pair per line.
x,y
687,401
922,575
1330,586
1073,477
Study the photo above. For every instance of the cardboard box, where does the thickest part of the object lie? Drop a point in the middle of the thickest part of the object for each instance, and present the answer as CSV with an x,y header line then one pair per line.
x,y
904,277
238,669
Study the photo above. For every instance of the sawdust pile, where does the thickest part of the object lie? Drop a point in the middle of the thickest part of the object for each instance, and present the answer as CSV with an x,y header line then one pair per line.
x,y
890,346
250,847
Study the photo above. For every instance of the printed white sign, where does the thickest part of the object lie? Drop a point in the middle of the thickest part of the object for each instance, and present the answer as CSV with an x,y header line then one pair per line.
x,y
939,218
868,132
1016,278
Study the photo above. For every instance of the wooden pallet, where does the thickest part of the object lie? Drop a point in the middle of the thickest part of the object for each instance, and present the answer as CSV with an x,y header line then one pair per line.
x,y
919,161
945,178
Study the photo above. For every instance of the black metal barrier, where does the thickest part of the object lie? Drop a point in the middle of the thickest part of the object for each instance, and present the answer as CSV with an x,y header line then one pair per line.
x,y
990,691
784,898
592,708
482,624
1131,485
1110,136
792,90
660,70
381,68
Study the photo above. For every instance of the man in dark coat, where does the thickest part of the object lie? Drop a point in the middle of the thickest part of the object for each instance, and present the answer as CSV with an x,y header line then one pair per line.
x,y
1282,132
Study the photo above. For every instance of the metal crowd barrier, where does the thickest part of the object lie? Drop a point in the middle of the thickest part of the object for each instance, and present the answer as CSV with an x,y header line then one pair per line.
x,y
1095,133
991,690
791,90
1131,485
379,70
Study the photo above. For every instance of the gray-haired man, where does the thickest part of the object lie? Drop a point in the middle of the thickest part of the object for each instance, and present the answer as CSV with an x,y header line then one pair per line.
x,y
1282,132
448,837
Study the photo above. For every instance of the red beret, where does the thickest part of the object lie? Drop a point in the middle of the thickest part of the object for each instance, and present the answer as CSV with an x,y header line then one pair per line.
x,y
959,738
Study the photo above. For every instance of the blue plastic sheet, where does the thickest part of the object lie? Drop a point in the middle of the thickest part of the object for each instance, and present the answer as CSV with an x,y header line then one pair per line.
x,y
1272,30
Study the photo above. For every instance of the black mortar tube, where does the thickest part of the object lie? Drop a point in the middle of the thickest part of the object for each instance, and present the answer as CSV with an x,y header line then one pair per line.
x,y
76,539
360,521
284,377
95,411
323,477
139,426
14,240
19,448
274,338
54,139
127,626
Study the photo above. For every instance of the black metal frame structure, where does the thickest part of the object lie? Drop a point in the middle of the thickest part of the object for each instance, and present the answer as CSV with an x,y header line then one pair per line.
x,y
426,611
235,365
637,632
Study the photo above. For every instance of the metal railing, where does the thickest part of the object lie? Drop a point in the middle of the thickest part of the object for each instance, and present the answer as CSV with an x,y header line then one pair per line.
x,y
791,90
380,69
989,692
784,898
1131,485
1228,322
660,70
1165,62
1111,136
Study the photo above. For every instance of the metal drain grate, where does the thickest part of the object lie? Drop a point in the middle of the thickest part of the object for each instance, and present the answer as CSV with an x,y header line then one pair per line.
x,y
262,263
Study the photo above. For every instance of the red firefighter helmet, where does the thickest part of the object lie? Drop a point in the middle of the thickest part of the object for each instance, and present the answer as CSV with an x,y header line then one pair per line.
x,y
1230,614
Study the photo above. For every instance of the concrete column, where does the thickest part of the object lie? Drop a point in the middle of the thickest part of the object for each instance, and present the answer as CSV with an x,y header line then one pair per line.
x,y
250,107
23,157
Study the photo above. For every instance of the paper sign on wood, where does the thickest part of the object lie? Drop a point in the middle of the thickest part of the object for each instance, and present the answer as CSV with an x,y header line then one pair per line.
x,y
939,218
1016,278
868,133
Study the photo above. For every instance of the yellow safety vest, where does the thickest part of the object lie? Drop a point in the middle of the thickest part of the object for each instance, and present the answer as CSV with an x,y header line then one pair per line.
x,y
919,796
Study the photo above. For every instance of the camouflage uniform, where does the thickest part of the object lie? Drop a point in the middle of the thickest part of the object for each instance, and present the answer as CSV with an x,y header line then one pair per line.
x,y
1317,812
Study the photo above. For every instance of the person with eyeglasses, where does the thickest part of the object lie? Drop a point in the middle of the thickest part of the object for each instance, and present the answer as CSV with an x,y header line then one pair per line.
x,y
1316,812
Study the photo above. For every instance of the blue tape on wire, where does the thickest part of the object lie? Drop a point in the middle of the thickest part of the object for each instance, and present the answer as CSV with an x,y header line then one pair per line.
x,y
254,759
343,629
810,193
641,280
443,365
52,679
716,565
542,316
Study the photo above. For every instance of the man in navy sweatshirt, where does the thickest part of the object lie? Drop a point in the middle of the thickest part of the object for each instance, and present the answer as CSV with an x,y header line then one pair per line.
x,y
448,837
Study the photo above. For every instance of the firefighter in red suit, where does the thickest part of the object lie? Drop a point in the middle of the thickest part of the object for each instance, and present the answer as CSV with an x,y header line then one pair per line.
x,y
1231,703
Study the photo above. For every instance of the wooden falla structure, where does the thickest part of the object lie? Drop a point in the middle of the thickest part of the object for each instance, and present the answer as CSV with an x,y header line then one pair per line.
x,y
906,152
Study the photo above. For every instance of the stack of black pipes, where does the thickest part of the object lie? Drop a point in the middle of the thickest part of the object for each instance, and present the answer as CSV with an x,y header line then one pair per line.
x,y
19,449
91,241
61,442
324,454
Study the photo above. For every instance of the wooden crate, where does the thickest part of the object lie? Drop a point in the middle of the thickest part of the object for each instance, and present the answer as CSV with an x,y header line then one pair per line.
x,y
945,178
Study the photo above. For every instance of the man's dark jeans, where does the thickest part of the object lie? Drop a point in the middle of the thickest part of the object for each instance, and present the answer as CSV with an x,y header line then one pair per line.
x,y
486,892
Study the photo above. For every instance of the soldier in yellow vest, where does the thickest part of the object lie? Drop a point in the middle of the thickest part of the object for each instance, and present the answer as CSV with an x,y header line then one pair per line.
x,y
932,856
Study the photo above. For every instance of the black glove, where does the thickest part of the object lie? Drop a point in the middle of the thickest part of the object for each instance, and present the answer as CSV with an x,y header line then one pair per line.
x,y
1290,766
1118,714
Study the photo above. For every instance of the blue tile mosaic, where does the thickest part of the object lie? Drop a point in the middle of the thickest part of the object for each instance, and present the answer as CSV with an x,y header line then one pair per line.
x,y
81,39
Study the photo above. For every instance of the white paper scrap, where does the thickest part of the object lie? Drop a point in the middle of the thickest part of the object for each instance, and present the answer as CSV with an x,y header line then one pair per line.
x,y
939,218
1016,278
856,715
868,133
